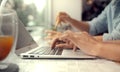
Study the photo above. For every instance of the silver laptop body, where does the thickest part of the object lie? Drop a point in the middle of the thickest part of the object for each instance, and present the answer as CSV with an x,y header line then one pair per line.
x,y
26,47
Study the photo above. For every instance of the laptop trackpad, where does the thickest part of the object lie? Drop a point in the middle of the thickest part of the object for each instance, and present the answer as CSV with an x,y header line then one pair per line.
x,y
75,54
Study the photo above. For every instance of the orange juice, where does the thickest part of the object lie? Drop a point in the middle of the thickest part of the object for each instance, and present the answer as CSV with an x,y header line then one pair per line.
x,y
6,43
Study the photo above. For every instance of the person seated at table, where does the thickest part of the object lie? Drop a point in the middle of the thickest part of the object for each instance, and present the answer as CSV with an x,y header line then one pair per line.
x,y
106,45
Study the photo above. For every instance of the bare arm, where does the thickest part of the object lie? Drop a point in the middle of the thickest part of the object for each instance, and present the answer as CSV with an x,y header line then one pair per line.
x,y
90,45
64,17
104,49
110,50
80,25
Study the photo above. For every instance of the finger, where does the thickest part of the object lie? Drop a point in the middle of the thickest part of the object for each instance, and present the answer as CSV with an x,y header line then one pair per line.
x,y
64,38
67,41
57,22
58,19
63,46
74,48
54,42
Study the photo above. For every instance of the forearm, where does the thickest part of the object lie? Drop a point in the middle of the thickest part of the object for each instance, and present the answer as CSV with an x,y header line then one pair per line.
x,y
110,50
80,25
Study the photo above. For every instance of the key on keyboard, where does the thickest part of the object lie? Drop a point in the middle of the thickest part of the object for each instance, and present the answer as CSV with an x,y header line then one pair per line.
x,y
45,51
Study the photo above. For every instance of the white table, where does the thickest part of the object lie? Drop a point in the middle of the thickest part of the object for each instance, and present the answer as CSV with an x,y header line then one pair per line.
x,y
53,65
60,65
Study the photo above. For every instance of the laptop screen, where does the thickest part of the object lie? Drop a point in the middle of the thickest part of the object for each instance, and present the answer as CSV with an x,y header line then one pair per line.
x,y
25,40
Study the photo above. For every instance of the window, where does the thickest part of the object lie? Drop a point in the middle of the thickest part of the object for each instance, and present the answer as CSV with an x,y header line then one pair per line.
x,y
31,12
35,14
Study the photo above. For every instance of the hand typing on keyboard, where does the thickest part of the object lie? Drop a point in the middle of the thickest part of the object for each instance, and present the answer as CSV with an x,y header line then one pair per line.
x,y
60,43
82,40
57,43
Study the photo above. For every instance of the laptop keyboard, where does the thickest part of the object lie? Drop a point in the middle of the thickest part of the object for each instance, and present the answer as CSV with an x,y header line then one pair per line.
x,y
47,51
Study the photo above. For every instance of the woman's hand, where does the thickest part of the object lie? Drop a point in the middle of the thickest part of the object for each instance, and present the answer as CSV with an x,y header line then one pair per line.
x,y
62,17
82,40
65,43
52,34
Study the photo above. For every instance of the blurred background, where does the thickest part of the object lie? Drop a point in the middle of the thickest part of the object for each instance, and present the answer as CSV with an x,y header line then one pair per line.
x,y
92,8
39,15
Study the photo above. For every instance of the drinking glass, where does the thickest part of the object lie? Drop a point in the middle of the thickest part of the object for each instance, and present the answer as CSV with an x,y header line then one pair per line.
x,y
8,34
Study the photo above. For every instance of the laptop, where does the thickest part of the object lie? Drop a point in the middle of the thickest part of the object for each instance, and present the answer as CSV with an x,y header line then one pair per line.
x,y
27,48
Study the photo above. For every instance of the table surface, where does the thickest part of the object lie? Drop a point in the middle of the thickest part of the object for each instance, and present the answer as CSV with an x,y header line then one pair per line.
x,y
61,65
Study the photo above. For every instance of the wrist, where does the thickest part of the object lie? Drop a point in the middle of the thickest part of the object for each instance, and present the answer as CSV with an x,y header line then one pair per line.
x,y
97,49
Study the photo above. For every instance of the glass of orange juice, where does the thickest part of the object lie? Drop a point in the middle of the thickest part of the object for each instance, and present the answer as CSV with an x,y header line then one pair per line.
x,y
8,34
